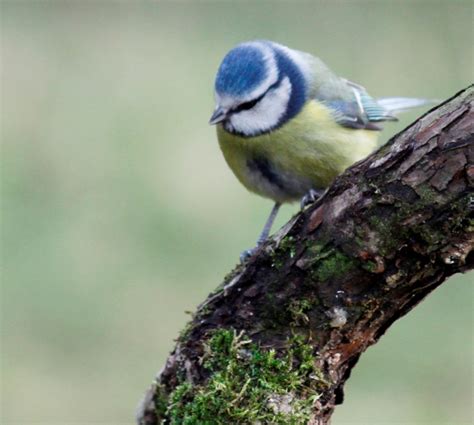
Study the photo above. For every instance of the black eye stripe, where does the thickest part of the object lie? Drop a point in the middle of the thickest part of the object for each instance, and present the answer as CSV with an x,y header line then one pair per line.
x,y
250,104
247,105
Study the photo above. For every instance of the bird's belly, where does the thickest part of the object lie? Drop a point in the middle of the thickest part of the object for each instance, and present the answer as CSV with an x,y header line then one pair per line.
x,y
262,176
285,164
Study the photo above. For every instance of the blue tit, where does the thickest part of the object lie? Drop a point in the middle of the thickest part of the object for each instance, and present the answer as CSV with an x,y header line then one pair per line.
x,y
287,125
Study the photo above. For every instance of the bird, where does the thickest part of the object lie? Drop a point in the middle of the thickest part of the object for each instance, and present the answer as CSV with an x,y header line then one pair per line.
x,y
287,125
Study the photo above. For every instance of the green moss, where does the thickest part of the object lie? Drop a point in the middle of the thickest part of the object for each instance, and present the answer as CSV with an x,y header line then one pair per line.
x,y
204,311
428,195
370,266
284,250
459,221
277,262
275,314
470,225
287,245
314,252
333,265
389,228
161,401
429,236
298,310
248,384
316,249
185,331
220,288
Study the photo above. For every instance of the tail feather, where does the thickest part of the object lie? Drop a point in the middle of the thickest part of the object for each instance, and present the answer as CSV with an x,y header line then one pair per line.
x,y
402,104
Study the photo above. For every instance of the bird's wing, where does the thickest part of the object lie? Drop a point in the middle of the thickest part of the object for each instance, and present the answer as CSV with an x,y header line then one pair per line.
x,y
349,102
351,105
360,111
363,111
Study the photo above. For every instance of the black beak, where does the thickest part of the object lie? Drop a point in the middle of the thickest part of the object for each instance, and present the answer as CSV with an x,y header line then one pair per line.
x,y
218,116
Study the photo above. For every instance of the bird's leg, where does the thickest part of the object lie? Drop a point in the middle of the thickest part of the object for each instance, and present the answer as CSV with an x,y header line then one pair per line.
x,y
310,197
268,224
265,232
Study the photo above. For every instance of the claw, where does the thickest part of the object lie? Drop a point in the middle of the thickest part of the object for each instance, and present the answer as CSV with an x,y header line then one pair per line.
x,y
310,198
263,236
245,255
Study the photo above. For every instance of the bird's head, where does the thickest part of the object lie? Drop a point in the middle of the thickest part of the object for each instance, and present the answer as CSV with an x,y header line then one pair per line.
x,y
259,86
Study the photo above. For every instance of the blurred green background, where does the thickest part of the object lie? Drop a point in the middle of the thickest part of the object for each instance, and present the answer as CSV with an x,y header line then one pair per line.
x,y
119,213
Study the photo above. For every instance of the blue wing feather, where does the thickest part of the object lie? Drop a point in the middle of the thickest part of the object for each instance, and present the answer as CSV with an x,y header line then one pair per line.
x,y
361,110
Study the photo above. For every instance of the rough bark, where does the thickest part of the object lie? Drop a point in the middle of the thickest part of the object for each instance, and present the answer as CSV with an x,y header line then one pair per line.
x,y
389,230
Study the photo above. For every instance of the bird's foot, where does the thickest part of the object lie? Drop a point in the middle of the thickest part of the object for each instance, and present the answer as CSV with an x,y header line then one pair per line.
x,y
245,255
263,236
311,197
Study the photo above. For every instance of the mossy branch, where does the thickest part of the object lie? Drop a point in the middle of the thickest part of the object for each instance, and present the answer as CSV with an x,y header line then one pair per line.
x,y
278,339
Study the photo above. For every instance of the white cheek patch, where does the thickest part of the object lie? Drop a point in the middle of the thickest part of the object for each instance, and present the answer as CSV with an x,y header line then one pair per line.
x,y
265,115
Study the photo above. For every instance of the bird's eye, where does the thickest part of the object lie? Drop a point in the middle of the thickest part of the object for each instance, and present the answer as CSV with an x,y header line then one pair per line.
x,y
247,105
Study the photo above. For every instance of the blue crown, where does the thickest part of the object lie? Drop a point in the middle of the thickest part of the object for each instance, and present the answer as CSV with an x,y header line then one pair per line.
x,y
242,70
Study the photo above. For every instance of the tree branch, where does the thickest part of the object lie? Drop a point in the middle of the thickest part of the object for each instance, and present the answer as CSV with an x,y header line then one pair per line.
x,y
278,339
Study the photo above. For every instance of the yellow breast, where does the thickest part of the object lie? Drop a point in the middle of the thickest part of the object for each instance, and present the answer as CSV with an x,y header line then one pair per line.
x,y
307,152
